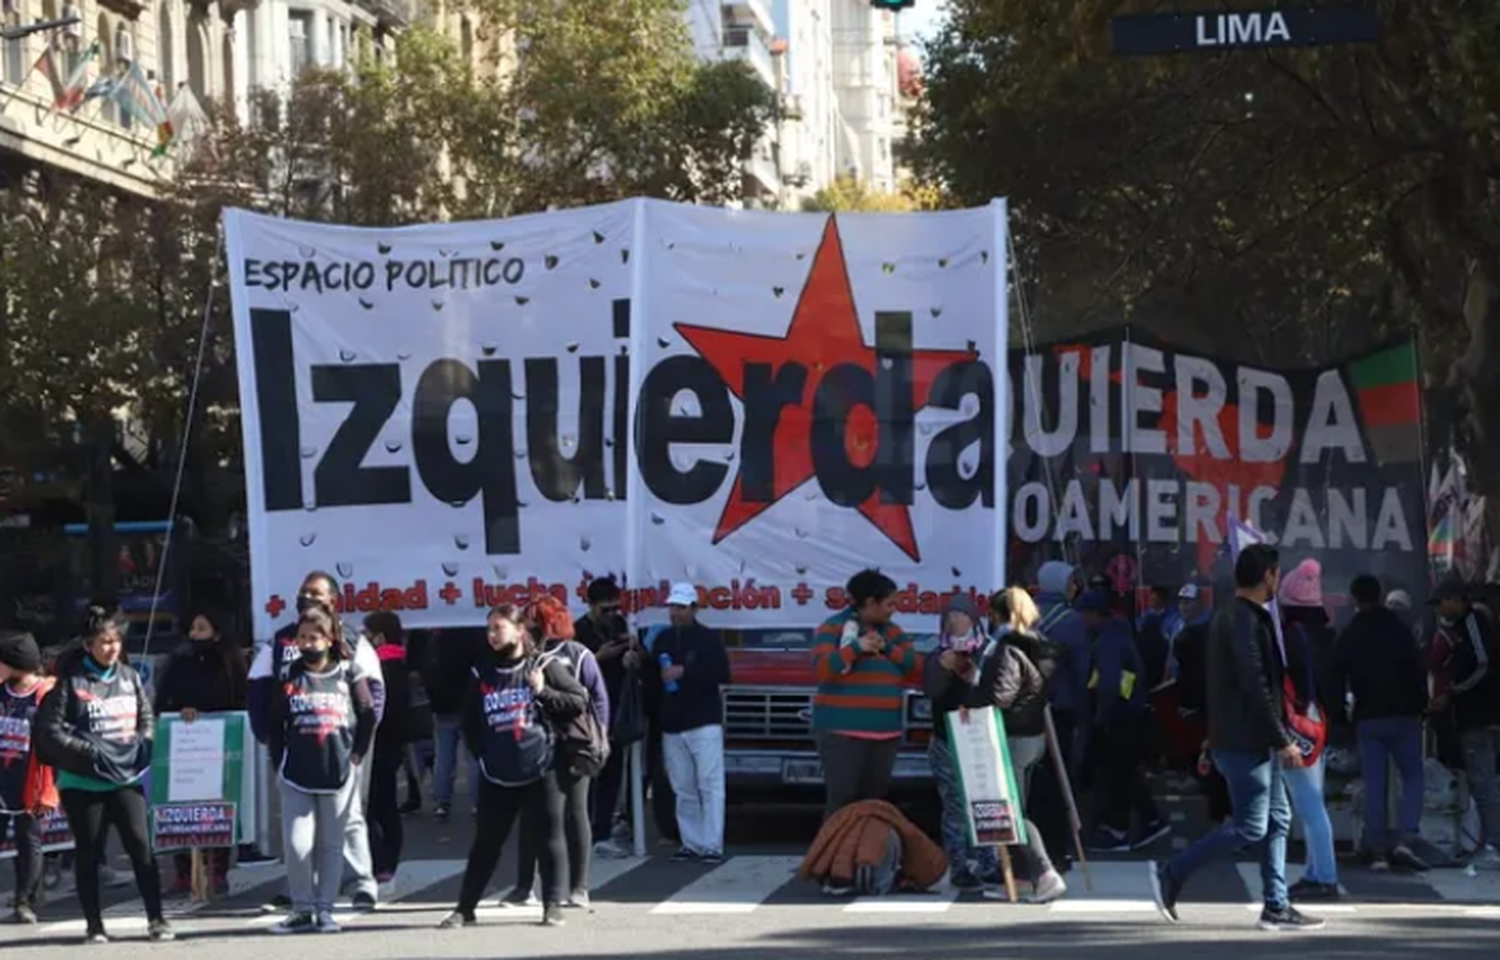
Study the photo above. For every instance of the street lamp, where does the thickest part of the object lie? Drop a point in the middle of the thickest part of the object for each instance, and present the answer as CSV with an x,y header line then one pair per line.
x,y
41,26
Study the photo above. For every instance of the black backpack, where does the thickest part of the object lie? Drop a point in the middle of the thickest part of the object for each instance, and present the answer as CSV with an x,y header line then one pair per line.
x,y
583,742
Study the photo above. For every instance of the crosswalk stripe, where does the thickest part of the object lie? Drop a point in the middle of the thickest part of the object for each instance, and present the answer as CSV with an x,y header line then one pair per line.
x,y
412,877
938,901
740,885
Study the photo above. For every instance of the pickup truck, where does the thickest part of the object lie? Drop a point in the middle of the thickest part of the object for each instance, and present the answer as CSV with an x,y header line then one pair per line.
x,y
768,739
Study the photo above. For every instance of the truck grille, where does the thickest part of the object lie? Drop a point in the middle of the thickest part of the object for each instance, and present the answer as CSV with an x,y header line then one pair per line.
x,y
767,713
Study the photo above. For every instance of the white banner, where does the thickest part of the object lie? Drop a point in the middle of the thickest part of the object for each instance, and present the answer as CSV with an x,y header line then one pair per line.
x,y
439,416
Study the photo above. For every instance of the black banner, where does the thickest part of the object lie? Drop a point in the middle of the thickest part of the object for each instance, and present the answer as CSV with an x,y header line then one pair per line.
x,y
1127,456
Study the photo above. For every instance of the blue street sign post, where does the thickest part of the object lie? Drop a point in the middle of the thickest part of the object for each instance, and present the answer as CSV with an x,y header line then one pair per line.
x,y
1218,31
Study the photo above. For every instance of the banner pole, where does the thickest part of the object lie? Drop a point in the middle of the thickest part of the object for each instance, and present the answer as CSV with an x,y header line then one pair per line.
x,y
1075,823
637,799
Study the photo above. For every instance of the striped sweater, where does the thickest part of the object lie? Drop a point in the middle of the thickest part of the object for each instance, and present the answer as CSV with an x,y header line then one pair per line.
x,y
862,692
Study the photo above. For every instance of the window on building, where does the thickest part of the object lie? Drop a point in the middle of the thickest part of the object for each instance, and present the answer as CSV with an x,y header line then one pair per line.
x,y
15,50
466,40
166,49
227,54
299,29
197,55
105,38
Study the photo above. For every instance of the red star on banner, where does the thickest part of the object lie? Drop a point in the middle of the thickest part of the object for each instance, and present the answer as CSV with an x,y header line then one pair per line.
x,y
824,333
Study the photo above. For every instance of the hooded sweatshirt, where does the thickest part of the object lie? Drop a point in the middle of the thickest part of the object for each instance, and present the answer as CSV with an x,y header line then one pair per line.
x,y
96,725
1062,625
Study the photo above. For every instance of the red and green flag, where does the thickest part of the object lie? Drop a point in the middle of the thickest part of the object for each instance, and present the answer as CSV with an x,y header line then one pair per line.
x,y
1390,402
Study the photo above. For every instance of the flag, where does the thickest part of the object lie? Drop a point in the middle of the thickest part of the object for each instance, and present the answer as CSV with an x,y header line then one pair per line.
x,y
135,96
1390,400
75,90
47,65
1242,534
189,122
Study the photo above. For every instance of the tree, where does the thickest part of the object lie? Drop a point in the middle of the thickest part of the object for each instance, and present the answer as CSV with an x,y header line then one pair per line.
x,y
603,101
1317,199
850,194
106,296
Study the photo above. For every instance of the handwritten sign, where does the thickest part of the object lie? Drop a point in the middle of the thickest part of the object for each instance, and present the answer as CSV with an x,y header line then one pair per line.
x,y
195,761
198,771
981,760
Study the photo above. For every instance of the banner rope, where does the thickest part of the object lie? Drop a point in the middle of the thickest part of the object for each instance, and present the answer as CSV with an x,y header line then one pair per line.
x,y
187,434
1028,346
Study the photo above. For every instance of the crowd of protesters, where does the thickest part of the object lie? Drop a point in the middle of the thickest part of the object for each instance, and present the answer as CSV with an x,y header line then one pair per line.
x,y
1238,691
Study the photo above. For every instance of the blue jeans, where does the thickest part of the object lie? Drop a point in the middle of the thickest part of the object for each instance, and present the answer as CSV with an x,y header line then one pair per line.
x,y
1262,817
1382,741
447,738
963,859
1305,784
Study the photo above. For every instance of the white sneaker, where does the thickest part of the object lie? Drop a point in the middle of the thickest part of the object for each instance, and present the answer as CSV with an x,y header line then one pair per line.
x,y
1486,859
611,850
1049,888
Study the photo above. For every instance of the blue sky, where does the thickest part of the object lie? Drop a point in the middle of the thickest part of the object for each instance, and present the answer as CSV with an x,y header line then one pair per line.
x,y
922,19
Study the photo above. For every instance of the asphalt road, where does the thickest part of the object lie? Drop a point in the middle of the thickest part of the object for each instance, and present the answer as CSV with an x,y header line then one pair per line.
x,y
753,908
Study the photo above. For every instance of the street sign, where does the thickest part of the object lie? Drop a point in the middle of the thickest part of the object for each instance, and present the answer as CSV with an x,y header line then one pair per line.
x,y
1243,30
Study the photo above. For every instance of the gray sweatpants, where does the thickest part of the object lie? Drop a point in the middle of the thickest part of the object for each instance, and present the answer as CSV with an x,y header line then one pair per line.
x,y
358,868
313,827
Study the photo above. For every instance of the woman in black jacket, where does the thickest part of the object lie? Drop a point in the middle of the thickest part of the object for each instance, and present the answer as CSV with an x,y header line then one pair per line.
x,y
95,729
205,675
509,715
974,671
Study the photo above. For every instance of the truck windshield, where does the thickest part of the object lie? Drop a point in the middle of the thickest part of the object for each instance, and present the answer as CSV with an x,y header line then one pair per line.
x,y
798,639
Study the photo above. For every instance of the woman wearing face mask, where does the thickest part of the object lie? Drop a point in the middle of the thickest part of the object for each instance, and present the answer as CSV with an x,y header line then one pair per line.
x,y
322,723
204,675
508,716
975,671
95,728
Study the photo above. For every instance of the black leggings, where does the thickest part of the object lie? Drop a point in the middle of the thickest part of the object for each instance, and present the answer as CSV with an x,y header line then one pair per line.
x,y
30,863
539,806
383,818
578,837
90,814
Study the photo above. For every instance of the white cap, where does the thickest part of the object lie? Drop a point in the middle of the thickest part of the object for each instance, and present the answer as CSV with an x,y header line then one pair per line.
x,y
1398,600
683,595
1189,591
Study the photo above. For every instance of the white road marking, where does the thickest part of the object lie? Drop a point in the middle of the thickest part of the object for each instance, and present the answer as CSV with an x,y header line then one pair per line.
x,y
738,886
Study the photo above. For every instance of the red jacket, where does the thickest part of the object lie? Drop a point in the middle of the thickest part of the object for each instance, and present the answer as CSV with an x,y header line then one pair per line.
x,y
41,785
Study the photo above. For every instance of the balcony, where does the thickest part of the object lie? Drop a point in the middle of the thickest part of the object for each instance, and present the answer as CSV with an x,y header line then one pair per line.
x,y
391,13
742,43
753,14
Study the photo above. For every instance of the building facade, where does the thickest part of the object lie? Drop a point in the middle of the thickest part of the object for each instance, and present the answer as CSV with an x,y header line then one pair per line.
x,y
745,30
843,115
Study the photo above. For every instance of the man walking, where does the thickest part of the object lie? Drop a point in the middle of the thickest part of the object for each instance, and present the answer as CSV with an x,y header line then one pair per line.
x,y
1249,743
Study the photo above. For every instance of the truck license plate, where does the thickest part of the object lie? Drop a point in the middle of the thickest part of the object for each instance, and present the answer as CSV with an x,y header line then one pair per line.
x,y
801,771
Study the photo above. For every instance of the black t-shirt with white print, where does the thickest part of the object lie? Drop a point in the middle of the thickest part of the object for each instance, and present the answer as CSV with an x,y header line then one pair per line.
x,y
517,741
322,726
17,711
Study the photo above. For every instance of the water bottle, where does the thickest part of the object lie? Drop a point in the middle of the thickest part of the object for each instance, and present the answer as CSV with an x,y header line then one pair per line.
x,y
666,661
